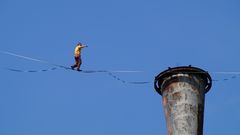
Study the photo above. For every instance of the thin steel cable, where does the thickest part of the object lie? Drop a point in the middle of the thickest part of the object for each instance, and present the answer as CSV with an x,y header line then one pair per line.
x,y
110,73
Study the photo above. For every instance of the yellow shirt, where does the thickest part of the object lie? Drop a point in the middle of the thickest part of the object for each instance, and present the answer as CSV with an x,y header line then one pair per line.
x,y
77,51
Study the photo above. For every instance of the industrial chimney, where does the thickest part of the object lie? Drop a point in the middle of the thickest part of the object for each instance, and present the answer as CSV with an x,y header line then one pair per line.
x,y
183,90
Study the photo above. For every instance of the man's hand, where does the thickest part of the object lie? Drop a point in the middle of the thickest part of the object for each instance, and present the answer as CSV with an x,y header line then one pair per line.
x,y
84,46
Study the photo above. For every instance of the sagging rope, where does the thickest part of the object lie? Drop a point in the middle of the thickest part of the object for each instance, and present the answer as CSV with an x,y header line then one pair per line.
x,y
110,73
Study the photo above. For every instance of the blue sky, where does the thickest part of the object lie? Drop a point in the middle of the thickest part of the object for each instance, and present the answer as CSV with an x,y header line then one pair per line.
x,y
122,35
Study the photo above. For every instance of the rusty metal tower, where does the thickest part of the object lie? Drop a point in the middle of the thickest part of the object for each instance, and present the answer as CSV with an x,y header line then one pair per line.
x,y
183,90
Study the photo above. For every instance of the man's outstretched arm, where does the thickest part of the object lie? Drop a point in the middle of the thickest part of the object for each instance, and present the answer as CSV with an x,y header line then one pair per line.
x,y
83,46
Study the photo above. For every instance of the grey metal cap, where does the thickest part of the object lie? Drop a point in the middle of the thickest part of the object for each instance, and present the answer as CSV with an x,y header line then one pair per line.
x,y
160,78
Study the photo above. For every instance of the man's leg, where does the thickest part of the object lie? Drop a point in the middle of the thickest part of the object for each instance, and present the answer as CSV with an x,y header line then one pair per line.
x,y
79,63
76,63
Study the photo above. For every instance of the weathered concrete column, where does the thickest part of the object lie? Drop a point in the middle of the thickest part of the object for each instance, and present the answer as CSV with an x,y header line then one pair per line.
x,y
183,90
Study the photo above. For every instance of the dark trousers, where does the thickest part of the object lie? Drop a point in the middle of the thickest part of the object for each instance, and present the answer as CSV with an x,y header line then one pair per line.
x,y
78,62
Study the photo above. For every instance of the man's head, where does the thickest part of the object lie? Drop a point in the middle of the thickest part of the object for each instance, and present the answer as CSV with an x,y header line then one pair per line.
x,y
79,43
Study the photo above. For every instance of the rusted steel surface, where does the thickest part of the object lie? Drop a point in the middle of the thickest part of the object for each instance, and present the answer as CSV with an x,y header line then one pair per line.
x,y
183,100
